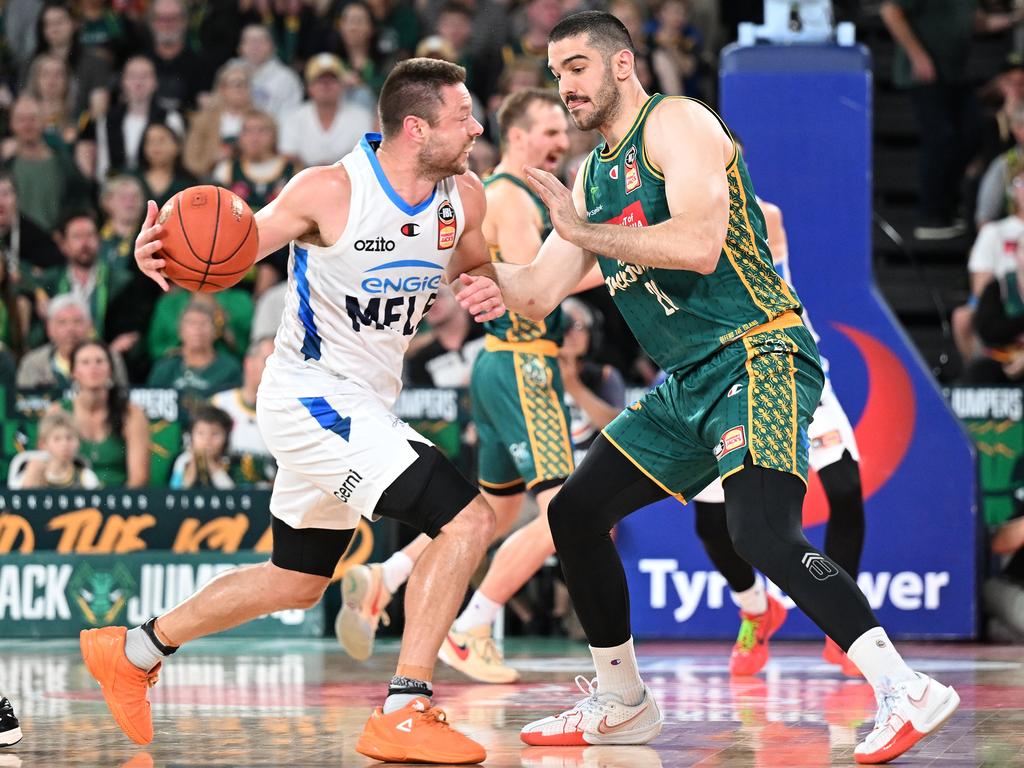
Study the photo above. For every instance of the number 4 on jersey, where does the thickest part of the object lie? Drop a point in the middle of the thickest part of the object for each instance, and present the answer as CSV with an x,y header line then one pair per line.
x,y
666,303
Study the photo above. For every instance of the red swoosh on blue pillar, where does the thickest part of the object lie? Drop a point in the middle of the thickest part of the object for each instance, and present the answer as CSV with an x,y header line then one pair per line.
x,y
886,427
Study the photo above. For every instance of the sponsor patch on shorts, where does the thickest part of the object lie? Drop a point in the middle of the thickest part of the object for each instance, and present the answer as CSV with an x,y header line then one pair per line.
x,y
732,439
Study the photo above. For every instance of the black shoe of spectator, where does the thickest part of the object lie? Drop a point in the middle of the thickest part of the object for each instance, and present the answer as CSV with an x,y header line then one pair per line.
x,y
939,229
10,728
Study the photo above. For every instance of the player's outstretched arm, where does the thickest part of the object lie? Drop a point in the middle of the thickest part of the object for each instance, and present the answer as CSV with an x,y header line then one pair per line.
x,y
535,289
688,146
313,205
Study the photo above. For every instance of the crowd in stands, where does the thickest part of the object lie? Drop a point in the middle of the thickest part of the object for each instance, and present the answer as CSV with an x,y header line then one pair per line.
x,y
107,104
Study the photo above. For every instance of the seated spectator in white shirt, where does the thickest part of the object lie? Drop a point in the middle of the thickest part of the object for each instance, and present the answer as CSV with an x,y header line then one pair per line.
x,y
276,88
993,255
327,127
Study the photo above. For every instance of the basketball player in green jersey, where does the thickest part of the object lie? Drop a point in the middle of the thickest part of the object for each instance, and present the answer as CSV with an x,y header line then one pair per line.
x,y
667,209
518,409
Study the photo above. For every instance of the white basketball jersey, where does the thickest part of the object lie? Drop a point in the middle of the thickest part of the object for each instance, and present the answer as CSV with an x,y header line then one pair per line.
x,y
353,307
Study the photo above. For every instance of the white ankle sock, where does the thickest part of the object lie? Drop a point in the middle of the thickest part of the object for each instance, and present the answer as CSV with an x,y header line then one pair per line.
x,y
480,612
753,601
140,649
617,672
875,656
396,571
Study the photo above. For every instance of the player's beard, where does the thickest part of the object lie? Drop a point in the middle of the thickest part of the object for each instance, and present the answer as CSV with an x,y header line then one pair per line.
x,y
438,163
606,105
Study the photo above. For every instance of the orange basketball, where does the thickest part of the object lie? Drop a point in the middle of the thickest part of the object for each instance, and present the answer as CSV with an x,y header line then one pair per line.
x,y
209,238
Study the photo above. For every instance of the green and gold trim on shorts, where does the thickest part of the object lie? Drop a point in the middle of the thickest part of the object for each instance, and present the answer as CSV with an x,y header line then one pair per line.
x,y
754,397
522,422
546,425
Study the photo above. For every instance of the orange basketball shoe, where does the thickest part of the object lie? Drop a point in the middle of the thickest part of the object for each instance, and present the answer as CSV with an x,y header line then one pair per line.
x,y
833,654
125,686
417,733
750,653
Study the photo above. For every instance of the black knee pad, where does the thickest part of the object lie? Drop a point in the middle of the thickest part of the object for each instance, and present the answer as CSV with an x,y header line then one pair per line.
x,y
764,513
429,494
308,550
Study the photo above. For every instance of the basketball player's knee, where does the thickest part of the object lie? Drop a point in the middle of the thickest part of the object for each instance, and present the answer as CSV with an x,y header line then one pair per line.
x,y
841,481
292,589
475,524
565,520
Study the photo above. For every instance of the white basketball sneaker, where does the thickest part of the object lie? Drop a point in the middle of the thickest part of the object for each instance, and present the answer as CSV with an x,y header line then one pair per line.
x,y
907,712
364,597
600,718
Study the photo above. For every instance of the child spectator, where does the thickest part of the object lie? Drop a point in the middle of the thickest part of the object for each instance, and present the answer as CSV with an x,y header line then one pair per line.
x,y
62,467
205,464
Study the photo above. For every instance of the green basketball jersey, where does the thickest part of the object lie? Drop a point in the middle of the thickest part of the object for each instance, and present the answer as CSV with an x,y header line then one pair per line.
x,y
511,326
680,317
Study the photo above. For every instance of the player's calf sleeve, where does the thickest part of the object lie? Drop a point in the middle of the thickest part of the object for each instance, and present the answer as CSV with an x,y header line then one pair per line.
x,y
844,534
763,511
604,488
709,519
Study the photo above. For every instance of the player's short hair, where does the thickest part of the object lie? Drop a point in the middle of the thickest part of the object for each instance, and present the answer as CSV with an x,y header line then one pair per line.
x,y
414,88
209,414
515,110
603,31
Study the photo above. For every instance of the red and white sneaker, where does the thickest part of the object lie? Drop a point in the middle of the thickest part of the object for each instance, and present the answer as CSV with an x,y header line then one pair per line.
x,y
750,653
907,712
600,718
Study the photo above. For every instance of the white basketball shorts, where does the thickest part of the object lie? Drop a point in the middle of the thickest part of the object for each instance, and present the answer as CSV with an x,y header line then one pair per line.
x,y
336,453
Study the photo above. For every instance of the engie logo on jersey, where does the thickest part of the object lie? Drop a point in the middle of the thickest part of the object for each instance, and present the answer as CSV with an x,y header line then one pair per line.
x,y
446,226
403,283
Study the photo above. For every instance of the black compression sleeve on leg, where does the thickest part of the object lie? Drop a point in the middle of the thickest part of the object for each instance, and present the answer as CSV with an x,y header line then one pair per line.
x,y
764,514
709,519
844,534
605,488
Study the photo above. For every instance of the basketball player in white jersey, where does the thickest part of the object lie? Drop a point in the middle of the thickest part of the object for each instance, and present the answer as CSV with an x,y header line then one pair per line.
x,y
523,435
834,456
372,237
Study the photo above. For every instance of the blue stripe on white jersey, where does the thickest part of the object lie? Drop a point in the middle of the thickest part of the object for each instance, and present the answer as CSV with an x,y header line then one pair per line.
x,y
311,340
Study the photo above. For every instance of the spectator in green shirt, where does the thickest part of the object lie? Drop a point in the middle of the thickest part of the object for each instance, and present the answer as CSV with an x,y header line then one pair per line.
x,y
197,370
232,310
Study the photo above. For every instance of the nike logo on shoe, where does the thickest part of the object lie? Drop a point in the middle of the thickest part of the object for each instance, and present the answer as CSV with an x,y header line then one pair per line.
x,y
462,651
603,726
922,699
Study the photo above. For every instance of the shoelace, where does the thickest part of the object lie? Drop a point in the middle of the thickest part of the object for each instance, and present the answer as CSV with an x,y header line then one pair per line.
x,y
436,717
747,637
589,688
886,702
488,650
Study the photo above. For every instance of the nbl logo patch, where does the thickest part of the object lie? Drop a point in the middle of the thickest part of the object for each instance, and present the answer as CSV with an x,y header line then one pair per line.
x,y
632,173
446,226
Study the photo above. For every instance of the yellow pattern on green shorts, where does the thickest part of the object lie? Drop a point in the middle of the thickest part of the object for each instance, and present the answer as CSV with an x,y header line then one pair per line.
x,y
545,418
772,402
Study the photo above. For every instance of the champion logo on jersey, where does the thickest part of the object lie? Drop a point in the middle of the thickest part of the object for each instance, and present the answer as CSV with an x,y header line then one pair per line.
x,y
632,173
446,226
412,229
614,172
